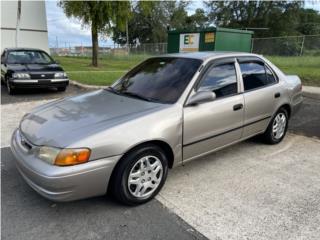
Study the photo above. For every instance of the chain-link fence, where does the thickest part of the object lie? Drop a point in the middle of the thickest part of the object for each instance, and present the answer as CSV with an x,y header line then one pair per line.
x,y
111,50
273,46
287,46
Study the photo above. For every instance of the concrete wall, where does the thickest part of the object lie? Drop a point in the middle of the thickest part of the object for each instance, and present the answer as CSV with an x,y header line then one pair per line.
x,y
33,25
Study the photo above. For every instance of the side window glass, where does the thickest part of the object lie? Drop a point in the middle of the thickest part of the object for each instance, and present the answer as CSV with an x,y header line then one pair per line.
x,y
221,79
270,76
253,75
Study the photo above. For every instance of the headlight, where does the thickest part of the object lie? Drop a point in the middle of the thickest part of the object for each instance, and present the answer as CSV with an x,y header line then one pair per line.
x,y
48,154
21,75
60,75
64,157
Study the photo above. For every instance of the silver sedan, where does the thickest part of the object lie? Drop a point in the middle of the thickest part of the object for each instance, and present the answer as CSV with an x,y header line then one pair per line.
x,y
164,112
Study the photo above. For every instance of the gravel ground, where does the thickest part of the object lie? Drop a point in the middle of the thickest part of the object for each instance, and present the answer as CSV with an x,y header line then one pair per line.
x,y
28,95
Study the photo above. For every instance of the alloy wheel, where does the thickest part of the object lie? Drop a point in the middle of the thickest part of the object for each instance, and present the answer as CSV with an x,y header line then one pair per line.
x,y
279,125
145,176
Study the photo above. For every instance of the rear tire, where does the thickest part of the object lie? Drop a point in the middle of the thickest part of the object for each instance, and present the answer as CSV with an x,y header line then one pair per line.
x,y
277,128
140,175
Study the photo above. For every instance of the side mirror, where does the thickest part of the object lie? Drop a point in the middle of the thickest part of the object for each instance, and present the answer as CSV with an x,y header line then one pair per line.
x,y
56,62
201,97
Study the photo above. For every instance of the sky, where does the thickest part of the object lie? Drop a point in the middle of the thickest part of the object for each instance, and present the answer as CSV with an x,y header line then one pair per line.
x,y
66,32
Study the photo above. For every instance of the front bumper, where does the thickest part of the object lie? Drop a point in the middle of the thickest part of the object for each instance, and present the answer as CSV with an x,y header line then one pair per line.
x,y
62,183
38,83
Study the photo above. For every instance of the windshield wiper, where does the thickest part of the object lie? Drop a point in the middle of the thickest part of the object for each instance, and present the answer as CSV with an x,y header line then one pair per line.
x,y
135,95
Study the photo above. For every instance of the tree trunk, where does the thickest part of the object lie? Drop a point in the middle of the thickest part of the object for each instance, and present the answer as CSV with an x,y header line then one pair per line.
x,y
95,45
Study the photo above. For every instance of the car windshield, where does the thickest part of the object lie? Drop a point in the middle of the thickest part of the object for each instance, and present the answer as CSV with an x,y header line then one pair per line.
x,y
28,57
161,79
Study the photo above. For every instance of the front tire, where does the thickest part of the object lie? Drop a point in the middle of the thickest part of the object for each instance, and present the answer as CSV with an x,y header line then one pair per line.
x,y
10,90
140,175
277,128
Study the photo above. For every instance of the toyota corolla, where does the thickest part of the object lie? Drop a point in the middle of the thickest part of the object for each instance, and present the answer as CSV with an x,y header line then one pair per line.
x,y
166,111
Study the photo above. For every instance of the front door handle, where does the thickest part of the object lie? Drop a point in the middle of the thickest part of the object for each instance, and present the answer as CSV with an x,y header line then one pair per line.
x,y
237,107
276,95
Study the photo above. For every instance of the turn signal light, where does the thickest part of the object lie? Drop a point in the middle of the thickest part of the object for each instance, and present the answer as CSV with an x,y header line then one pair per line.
x,y
67,157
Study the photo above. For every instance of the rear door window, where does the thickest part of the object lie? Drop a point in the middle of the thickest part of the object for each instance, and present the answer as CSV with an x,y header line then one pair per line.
x,y
255,76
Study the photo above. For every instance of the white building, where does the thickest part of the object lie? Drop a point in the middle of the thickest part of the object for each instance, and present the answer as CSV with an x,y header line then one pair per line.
x,y
30,31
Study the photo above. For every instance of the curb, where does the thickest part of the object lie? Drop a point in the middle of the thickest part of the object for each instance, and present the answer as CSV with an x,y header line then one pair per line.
x,y
307,91
75,83
311,92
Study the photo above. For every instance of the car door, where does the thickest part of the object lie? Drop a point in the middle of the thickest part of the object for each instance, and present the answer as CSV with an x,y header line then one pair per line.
x,y
210,125
260,91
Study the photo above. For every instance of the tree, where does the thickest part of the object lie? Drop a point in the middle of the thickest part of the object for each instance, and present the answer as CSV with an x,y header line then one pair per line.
x,y
150,19
198,19
279,17
309,23
100,16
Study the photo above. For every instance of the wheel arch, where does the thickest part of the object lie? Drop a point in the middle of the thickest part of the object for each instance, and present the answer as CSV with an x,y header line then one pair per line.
x,y
287,107
162,144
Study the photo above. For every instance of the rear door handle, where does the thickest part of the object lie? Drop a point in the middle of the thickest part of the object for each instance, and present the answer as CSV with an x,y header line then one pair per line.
x,y
276,95
237,107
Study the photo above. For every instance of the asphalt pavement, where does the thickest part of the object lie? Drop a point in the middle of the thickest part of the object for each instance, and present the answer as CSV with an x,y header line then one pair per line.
x,y
307,121
27,215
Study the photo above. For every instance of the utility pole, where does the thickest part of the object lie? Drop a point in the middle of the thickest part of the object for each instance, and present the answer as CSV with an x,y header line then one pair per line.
x,y
18,22
302,45
127,30
57,45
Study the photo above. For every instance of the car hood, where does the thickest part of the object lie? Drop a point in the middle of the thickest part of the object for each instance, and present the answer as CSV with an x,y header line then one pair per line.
x,y
65,121
34,67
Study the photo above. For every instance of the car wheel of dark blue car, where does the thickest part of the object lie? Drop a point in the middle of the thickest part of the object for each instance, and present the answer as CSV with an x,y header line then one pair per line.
x,y
11,91
140,175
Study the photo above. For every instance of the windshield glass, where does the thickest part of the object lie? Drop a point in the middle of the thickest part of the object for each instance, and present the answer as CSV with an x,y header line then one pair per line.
x,y
160,79
28,57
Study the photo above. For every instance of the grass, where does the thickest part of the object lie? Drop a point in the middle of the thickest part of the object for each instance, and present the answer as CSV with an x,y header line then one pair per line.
x,y
111,68
306,67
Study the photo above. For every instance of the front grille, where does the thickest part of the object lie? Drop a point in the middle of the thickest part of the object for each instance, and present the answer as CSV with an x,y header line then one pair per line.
x,y
42,75
26,144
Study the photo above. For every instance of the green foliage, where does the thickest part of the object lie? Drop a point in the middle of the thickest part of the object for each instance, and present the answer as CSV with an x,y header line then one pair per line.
x,y
198,20
100,13
150,21
281,18
99,16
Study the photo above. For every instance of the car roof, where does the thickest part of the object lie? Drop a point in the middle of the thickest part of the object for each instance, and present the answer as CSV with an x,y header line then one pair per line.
x,y
23,49
207,55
